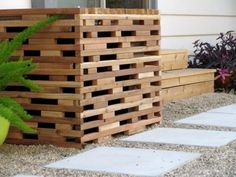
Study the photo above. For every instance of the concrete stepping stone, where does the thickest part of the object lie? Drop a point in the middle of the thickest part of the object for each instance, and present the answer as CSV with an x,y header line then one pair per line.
x,y
185,137
211,119
230,109
131,161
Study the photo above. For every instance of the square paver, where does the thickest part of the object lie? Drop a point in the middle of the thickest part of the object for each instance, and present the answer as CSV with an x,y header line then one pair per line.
x,y
230,109
184,137
132,161
212,119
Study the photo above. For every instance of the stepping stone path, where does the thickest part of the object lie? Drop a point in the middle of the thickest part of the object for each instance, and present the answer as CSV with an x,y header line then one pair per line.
x,y
147,162
132,161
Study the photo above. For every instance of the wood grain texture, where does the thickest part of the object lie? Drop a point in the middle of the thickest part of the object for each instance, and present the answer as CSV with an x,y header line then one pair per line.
x,y
180,82
99,70
174,59
186,91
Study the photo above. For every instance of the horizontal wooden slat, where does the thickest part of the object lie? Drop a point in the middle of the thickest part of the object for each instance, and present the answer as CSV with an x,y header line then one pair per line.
x,y
119,62
100,74
174,59
186,91
188,76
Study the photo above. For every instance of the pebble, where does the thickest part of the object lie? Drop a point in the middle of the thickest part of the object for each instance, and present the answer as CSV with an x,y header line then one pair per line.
x,y
215,162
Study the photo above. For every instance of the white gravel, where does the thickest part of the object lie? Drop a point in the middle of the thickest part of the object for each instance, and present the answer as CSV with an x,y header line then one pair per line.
x,y
215,162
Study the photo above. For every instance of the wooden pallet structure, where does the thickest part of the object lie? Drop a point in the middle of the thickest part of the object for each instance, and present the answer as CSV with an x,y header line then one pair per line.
x,y
180,82
99,70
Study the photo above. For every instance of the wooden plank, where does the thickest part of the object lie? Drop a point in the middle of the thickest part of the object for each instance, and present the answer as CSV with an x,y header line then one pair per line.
x,y
120,62
120,28
119,50
187,76
33,17
109,126
56,108
186,91
119,73
119,85
52,114
117,107
112,118
123,128
41,95
120,17
50,53
133,98
42,41
119,39
120,95
145,75
56,72
52,49
174,59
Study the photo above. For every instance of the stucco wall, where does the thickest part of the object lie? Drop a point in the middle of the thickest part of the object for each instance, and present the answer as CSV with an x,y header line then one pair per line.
x,y
184,21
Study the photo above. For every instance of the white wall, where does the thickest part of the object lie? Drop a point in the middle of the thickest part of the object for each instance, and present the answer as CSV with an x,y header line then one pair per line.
x,y
184,21
15,4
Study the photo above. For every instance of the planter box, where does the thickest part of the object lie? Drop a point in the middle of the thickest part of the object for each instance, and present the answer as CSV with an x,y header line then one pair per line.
x,y
99,71
187,91
186,83
180,82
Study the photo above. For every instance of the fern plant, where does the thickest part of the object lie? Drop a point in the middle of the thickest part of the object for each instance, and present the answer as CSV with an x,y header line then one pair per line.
x,y
15,71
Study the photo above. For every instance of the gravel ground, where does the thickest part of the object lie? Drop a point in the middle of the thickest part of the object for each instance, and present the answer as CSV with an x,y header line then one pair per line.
x,y
215,162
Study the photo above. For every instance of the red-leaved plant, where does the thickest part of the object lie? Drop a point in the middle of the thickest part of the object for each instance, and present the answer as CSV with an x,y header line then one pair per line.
x,y
221,56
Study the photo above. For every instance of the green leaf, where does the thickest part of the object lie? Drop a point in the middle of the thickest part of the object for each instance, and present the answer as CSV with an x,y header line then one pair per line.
x,y
30,84
15,120
14,71
15,107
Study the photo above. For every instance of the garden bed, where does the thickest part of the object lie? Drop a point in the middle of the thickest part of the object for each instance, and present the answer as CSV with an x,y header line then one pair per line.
x,y
179,81
186,83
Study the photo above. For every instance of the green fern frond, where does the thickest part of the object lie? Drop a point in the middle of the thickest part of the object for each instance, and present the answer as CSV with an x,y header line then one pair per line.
x,y
15,120
15,107
29,84
8,47
14,71
23,66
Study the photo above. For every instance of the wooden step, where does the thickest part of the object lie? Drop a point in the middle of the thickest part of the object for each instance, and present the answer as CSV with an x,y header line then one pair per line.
x,y
186,76
186,83
174,59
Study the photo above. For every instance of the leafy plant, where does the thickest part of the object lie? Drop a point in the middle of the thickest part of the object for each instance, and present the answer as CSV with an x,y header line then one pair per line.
x,y
15,71
221,56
